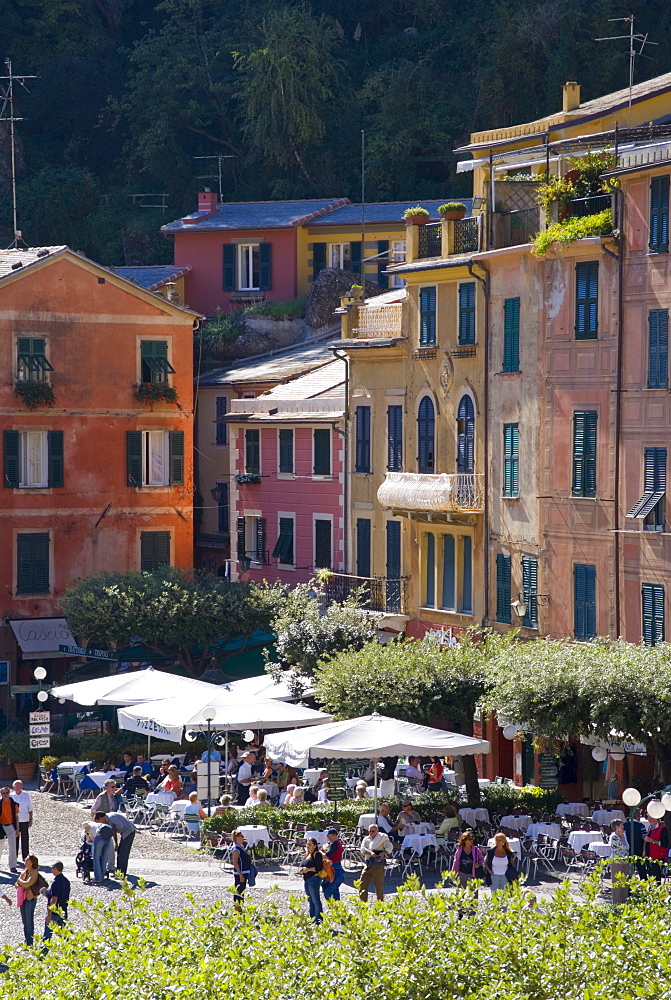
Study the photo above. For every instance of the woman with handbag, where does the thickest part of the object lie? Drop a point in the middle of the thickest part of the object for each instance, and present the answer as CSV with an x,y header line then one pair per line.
x,y
242,865
313,862
501,863
27,891
468,860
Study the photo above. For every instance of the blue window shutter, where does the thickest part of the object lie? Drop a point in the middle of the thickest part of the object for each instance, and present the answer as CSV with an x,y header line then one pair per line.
x,y
584,591
530,590
355,256
426,431
55,450
448,597
511,335
393,549
322,453
12,467
318,258
430,572
586,300
362,430
221,428
394,438
511,460
467,575
584,453
427,317
465,436
467,313
652,611
658,349
503,589
363,547
659,214
229,282
134,458
654,479
265,271
383,263
176,442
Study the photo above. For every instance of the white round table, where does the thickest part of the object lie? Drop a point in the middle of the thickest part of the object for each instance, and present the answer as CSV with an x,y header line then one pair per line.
x,y
272,789
572,809
471,816
578,839
311,774
552,830
516,822
417,828
604,817
352,782
515,844
177,808
160,798
598,847
365,820
419,841
255,835
100,777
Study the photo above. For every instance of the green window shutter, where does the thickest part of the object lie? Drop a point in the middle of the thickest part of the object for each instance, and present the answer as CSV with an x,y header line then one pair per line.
x,y
503,589
284,548
652,607
530,590
12,467
242,536
355,256
511,460
363,547
55,449
322,544
430,575
584,453
448,598
154,550
584,596
427,317
658,349
318,258
229,282
261,539
659,214
467,575
223,508
322,453
393,586
467,313
176,458
511,335
221,427
162,548
362,433
33,563
286,451
383,263
24,345
265,274
134,458
252,451
395,438
586,300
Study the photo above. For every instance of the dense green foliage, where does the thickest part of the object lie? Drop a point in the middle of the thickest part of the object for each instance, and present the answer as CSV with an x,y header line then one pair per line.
x,y
129,92
567,232
412,945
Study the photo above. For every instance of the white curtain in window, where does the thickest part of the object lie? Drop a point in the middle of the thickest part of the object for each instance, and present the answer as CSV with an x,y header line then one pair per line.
x,y
248,266
155,458
34,458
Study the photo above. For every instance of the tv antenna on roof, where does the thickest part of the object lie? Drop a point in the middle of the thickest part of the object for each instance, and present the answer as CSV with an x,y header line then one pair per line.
x,y
7,97
633,38
213,177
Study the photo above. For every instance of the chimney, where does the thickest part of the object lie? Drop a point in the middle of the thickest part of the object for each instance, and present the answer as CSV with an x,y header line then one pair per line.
x,y
571,96
207,201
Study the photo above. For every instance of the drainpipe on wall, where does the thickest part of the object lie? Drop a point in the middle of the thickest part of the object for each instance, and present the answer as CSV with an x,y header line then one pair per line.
x,y
345,493
485,431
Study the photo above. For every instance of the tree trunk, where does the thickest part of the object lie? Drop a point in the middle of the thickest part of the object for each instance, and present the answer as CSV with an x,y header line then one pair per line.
x,y
471,779
663,753
464,725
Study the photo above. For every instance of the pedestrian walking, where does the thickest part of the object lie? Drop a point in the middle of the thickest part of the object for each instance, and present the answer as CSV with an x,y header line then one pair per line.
x,y
501,863
468,861
9,821
27,892
242,865
375,848
333,850
244,777
312,863
25,804
123,831
57,899
103,847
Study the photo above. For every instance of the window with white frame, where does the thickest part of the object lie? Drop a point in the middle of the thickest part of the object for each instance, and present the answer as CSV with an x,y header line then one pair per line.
x,y
397,257
249,267
34,459
155,458
340,256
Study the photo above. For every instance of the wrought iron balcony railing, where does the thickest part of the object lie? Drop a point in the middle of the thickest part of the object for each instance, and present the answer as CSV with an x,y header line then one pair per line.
x,y
430,240
376,593
467,235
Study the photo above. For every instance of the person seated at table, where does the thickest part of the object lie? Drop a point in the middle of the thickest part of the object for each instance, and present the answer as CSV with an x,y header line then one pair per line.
x,y
323,790
360,790
172,783
194,808
369,773
109,799
162,772
450,821
435,775
135,783
413,772
386,824
210,755
267,772
144,764
286,798
128,763
309,794
282,777
407,817
224,805
253,799
298,796
262,798
109,766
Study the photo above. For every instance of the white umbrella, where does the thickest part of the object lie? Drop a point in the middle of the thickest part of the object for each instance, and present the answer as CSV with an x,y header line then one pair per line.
x,y
370,736
131,688
249,688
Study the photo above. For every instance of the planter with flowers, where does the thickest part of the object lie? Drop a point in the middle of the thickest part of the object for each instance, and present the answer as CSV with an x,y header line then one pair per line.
x,y
416,216
35,394
452,210
156,392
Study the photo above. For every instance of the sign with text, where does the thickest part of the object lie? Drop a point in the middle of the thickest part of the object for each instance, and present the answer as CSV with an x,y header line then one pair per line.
x,y
35,717
548,770
40,742
336,781
91,654
40,729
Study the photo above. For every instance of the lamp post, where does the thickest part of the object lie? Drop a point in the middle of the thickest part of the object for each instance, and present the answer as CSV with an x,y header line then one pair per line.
x,y
212,739
39,673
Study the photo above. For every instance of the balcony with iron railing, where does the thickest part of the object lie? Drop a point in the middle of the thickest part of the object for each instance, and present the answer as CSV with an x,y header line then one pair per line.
x,y
467,235
580,207
379,321
381,594
430,240
458,493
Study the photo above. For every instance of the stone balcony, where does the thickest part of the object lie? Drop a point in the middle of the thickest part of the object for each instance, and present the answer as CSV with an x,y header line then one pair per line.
x,y
374,321
458,493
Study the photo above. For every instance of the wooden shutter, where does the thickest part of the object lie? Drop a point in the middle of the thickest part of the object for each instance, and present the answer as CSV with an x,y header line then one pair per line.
x,y
467,313
229,282
355,256
242,537
503,589
586,300
511,460
265,275
33,563
322,544
652,604
530,590
655,470
176,441
362,450
465,435
222,429
590,453
252,451
511,335
318,258
147,552
393,549
430,574
286,451
448,595
658,349
659,214
134,458
584,453
284,548
322,452
12,462
161,548
427,317
584,612
466,574
223,508
383,263
261,539
55,452
426,430
395,438
363,547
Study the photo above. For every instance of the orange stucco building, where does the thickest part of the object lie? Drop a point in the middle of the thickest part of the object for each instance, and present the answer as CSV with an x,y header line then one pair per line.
x,y
93,478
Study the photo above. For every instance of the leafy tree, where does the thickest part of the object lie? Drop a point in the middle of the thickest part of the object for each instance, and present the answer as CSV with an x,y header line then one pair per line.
x,y
418,681
175,612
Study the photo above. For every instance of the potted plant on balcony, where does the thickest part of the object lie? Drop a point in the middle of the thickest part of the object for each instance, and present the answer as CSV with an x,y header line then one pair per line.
x,y
155,392
248,478
452,210
416,216
35,394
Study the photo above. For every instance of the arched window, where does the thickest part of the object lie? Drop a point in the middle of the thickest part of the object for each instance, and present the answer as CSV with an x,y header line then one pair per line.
x,y
465,435
426,433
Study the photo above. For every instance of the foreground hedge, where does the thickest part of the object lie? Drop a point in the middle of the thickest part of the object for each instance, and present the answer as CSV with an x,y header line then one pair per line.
x,y
412,947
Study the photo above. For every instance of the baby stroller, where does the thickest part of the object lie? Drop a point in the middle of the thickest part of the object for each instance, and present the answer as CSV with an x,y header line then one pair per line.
x,y
84,861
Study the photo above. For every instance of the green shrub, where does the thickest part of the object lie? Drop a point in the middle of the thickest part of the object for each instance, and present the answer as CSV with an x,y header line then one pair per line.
x,y
499,797
222,329
575,228
291,309
451,206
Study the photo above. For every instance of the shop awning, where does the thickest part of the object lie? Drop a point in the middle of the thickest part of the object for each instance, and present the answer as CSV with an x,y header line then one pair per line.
x,y
39,638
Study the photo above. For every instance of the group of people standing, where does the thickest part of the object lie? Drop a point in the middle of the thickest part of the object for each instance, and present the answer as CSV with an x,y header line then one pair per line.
x,y
30,885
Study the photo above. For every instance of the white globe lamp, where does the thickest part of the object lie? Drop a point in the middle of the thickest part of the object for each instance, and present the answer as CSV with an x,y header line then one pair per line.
x,y
39,673
599,753
666,801
631,797
42,696
510,732
655,809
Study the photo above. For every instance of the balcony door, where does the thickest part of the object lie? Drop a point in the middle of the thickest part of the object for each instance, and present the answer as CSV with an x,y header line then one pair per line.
x,y
426,433
465,435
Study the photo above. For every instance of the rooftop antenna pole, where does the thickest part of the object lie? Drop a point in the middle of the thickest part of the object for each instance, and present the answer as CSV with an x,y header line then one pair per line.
x,y
632,37
7,94
363,210
209,177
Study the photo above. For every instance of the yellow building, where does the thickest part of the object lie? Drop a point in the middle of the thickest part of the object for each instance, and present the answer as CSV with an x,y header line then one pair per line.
x,y
166,280
416,422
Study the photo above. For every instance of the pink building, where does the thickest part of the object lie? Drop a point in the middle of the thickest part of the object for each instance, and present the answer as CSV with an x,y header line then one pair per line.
x,y
287,478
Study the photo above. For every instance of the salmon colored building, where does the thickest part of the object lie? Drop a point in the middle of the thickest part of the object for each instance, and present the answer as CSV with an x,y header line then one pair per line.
x,y
93,478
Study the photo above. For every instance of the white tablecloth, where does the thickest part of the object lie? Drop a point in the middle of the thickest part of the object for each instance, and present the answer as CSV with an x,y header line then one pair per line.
x,y
177,808
319,836
598,847
516,822
515,844
552,830
100,777
419,841
352,782
414,828
160,798
157,758
74,765
578,839
255,834
572,809
604,817
471,816
311,774
365,820
272,789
